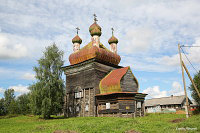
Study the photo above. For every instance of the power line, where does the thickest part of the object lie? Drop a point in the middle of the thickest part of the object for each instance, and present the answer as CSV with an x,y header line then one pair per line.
x,y
189,60
189,46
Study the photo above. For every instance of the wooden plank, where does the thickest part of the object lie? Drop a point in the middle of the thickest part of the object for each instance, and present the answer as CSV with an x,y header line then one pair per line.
x,y
135,108
84,104
89,101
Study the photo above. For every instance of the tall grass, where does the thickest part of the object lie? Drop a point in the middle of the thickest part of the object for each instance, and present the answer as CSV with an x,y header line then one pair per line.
x,y
153,123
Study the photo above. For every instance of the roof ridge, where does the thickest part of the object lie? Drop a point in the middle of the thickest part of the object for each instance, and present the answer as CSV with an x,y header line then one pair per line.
x,y
166,97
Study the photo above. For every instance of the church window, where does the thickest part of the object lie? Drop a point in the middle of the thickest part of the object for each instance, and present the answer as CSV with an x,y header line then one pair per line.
x,y
86,107
78,94
107,105
77,108
127,107
70,109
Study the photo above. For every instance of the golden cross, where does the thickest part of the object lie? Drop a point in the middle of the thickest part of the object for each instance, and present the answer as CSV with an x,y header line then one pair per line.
x,y
95,17
77,30
112,30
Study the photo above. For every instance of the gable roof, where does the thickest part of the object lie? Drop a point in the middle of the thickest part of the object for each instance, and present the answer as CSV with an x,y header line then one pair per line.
x,y
111,82
165,100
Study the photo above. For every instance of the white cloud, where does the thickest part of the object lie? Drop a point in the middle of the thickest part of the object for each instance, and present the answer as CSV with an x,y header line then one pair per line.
x,y
155,92
2,90
166,63
145,64
18,46
138,40
20,89
193,52
15,74
166,60
9,50
140,26
28,76
150,28
176,89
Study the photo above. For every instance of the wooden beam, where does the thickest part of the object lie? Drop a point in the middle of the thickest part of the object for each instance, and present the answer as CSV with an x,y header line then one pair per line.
x,y
68,105
65,105
195,87
186,109
97,110
143,108
84,103
89,101
135,108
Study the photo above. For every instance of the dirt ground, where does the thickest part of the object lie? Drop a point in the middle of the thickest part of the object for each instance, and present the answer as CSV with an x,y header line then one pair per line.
x,y
177,120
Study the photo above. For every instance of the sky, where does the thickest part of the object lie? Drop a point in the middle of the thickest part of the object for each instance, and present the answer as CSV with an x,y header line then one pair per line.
x,y
148,34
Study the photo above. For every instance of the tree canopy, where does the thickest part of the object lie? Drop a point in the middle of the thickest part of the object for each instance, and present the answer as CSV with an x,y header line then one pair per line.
x,y
9,103
194,94
47,94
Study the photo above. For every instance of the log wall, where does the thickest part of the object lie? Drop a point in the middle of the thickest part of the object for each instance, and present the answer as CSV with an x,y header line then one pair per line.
x,y
128,82
85,78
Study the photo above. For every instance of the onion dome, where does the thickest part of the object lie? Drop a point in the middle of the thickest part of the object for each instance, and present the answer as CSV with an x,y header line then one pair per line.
x,y
94,25
77,39
95,31
113,39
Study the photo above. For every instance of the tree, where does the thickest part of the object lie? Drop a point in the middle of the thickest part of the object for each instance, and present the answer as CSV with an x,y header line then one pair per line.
x,y
47,93
2,107
9,97
194,93
13,107
23,103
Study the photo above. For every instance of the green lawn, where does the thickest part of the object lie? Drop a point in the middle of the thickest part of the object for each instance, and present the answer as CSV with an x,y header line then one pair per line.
x,y
151,123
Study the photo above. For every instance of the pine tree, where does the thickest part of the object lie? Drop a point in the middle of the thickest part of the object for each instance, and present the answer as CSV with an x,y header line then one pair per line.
x,y
47,94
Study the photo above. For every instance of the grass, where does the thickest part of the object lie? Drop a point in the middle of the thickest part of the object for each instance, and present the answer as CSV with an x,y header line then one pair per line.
x,y
155,123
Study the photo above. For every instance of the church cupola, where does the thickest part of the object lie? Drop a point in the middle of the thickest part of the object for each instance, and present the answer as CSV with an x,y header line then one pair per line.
x,y
94,49
113,43
95,32
76,42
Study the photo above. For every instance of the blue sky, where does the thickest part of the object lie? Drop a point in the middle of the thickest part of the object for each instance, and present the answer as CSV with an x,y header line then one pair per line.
x,y
148,34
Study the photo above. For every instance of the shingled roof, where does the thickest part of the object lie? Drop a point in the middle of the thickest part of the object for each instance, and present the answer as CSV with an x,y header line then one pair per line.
x,y
111,83
89,51
165,100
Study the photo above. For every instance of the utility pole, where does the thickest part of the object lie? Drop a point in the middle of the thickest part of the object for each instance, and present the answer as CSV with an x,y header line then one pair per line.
x,y
195,87
181,63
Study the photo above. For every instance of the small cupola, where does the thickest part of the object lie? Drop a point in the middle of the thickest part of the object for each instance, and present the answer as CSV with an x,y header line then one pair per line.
x,y
76,42
95,32
113,42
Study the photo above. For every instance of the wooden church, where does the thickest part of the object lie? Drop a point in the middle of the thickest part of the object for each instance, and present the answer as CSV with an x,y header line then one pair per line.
x,y
96,85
